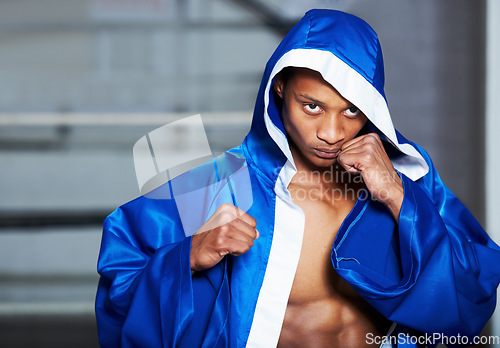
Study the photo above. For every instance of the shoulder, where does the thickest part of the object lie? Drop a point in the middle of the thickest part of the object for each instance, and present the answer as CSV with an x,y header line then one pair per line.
x,y
431,180
425,155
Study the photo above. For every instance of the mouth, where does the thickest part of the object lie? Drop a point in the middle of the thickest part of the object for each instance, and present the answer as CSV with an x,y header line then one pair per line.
x,y
326,153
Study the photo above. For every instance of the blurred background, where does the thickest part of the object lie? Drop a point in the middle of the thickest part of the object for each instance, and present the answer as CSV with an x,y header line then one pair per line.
x,y
82,81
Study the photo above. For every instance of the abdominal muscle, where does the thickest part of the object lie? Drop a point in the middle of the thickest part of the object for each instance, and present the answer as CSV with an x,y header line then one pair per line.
x,y
330,321
323,310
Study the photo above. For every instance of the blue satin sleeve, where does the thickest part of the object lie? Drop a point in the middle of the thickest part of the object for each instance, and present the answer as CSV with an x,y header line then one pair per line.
x,y
435,271
146,295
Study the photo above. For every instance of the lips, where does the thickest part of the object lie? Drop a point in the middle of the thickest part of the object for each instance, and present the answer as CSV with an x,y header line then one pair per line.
x,y
326,153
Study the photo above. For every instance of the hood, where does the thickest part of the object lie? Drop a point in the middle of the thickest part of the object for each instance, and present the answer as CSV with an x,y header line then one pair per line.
x,y
346,51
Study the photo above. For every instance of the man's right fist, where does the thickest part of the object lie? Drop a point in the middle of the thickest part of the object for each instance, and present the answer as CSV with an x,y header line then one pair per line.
x,y
228,231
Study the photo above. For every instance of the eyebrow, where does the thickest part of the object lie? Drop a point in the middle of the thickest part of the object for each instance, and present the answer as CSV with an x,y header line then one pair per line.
x,y
320,103
315,101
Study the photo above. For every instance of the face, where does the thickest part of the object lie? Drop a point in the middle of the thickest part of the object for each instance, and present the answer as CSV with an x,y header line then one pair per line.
x,y
317,119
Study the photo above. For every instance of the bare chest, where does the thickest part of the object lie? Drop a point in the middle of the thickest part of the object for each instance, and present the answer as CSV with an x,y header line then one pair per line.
x,y
315,277
323,310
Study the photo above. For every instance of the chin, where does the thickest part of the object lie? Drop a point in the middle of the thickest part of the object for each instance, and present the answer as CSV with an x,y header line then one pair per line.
x,y
323,162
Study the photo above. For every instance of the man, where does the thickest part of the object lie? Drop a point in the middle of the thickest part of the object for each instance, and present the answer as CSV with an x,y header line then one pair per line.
x,y
351,234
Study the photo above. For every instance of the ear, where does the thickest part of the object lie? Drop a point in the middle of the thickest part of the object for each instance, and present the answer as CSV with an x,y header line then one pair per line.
x,y
279,85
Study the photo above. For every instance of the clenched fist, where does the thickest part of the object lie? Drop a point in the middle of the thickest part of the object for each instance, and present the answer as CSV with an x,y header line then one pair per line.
x,y
228,231
366,155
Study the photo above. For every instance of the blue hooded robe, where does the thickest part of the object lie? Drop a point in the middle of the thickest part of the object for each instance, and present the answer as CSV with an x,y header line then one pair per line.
x,y
435,272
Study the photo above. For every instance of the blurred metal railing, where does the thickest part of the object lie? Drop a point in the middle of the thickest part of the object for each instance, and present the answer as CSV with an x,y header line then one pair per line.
x,y
120,119
37,136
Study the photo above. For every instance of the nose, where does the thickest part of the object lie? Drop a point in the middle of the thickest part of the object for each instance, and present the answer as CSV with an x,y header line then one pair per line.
x,y
330,129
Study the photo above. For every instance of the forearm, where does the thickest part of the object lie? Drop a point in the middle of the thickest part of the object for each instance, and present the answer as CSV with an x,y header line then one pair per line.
x,y
395,202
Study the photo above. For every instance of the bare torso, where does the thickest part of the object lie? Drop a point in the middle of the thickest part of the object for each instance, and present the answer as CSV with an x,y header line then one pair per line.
x,y
323,310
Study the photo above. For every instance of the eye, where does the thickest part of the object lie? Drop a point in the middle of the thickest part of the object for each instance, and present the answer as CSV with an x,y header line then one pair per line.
x,y
312,108
352,111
